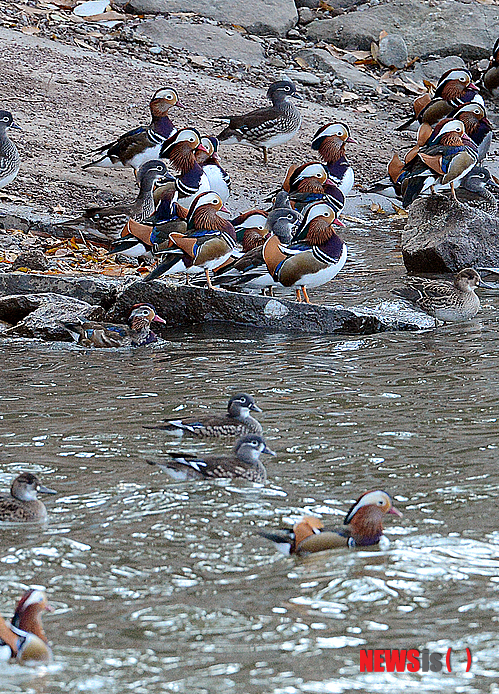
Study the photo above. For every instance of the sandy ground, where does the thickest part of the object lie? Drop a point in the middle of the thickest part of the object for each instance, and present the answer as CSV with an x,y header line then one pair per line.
x,y
69,100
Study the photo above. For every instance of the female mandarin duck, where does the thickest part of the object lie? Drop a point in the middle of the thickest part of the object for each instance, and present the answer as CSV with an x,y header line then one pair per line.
x,y
446,301
144,143
180,150
22,504
454,89
330,141
25,639
209,159
315,257
236,422
490,78
243,463
362,527
136,334
209,242
310,183
441,164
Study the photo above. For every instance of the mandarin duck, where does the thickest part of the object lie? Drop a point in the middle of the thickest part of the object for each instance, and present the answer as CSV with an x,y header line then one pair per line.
x,y
106,335
9,156
330,141
474,191
22,504
209,159
266,127
250,228
490,78
315,257
310,183
454,89
236,422
106,223
180,150
250,270
24,639
209,242
448,302
477,126
244,463
138,238
362,527
441,164
137,146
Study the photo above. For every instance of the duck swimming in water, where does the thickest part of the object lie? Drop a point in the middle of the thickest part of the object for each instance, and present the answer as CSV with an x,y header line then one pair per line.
x,y
22,504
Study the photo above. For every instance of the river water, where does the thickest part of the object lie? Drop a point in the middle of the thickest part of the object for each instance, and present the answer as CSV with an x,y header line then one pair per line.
x,y
166,587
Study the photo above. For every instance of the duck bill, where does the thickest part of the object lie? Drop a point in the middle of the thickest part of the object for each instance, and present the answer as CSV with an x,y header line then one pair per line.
x,y
395,512
339,223
350,139
15,126
269,451
224,209
49,608
158,319
255,407
201,148
180,104
45,490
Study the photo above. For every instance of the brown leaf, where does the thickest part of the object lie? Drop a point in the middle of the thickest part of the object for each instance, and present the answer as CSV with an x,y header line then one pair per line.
x,y
382,34
301,61
374,50
400,210
375,207
30,30
107,17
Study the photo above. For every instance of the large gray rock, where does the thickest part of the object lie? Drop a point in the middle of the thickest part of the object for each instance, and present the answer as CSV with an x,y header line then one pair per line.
x,y
184,306
433,69
444,236
93,290
41,315
273,17
205,39
448,28
393,51
320,59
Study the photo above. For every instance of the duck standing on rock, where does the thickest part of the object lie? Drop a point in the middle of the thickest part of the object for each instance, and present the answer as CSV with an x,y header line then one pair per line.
x,y
181,150
143,143
105,335
9,156
22,504
237,422
448,302
315,257
24,639
209,241
330,141
362,527
244,463
266,127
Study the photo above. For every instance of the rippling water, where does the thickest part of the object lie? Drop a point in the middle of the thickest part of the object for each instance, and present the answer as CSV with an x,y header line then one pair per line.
x,y
164,587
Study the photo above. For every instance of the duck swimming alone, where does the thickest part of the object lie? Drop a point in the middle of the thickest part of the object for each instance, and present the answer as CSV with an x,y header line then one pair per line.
x,y
362,527
22,504
243,463
236,422
25,639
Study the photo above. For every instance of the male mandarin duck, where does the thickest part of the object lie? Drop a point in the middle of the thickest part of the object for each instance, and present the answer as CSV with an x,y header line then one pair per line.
x,y
22,504
477,126
454,89
441,164
106,335
250,269
143,143
9,155
139,238
310,183
362,527
209,159
251,228
236,422
244,463
106,222
266,127
24,639
490,78
209,241
330,141
316,255
448,302
180,150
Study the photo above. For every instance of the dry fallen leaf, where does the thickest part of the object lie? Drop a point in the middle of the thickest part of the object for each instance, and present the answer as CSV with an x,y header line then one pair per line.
x,y
30,30
375,207
374,50
400,210
348,96
301,61
382,34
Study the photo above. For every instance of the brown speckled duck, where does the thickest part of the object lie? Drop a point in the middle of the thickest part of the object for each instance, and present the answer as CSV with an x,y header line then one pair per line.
x,y
22,504
362,527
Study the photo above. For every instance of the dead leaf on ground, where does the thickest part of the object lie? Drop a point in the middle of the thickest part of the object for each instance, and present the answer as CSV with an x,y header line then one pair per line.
x,y
348,96
30,30
107,17
301,61
400,211
374,50
82,44
382,34
376,208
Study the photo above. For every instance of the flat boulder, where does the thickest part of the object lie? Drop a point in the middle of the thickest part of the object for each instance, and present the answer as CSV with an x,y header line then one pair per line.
x,y
92,289
448,28
442,235
206,39
320,59
263,17
41,315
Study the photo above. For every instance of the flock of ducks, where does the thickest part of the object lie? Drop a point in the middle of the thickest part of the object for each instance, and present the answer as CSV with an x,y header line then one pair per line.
x,y
24,637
